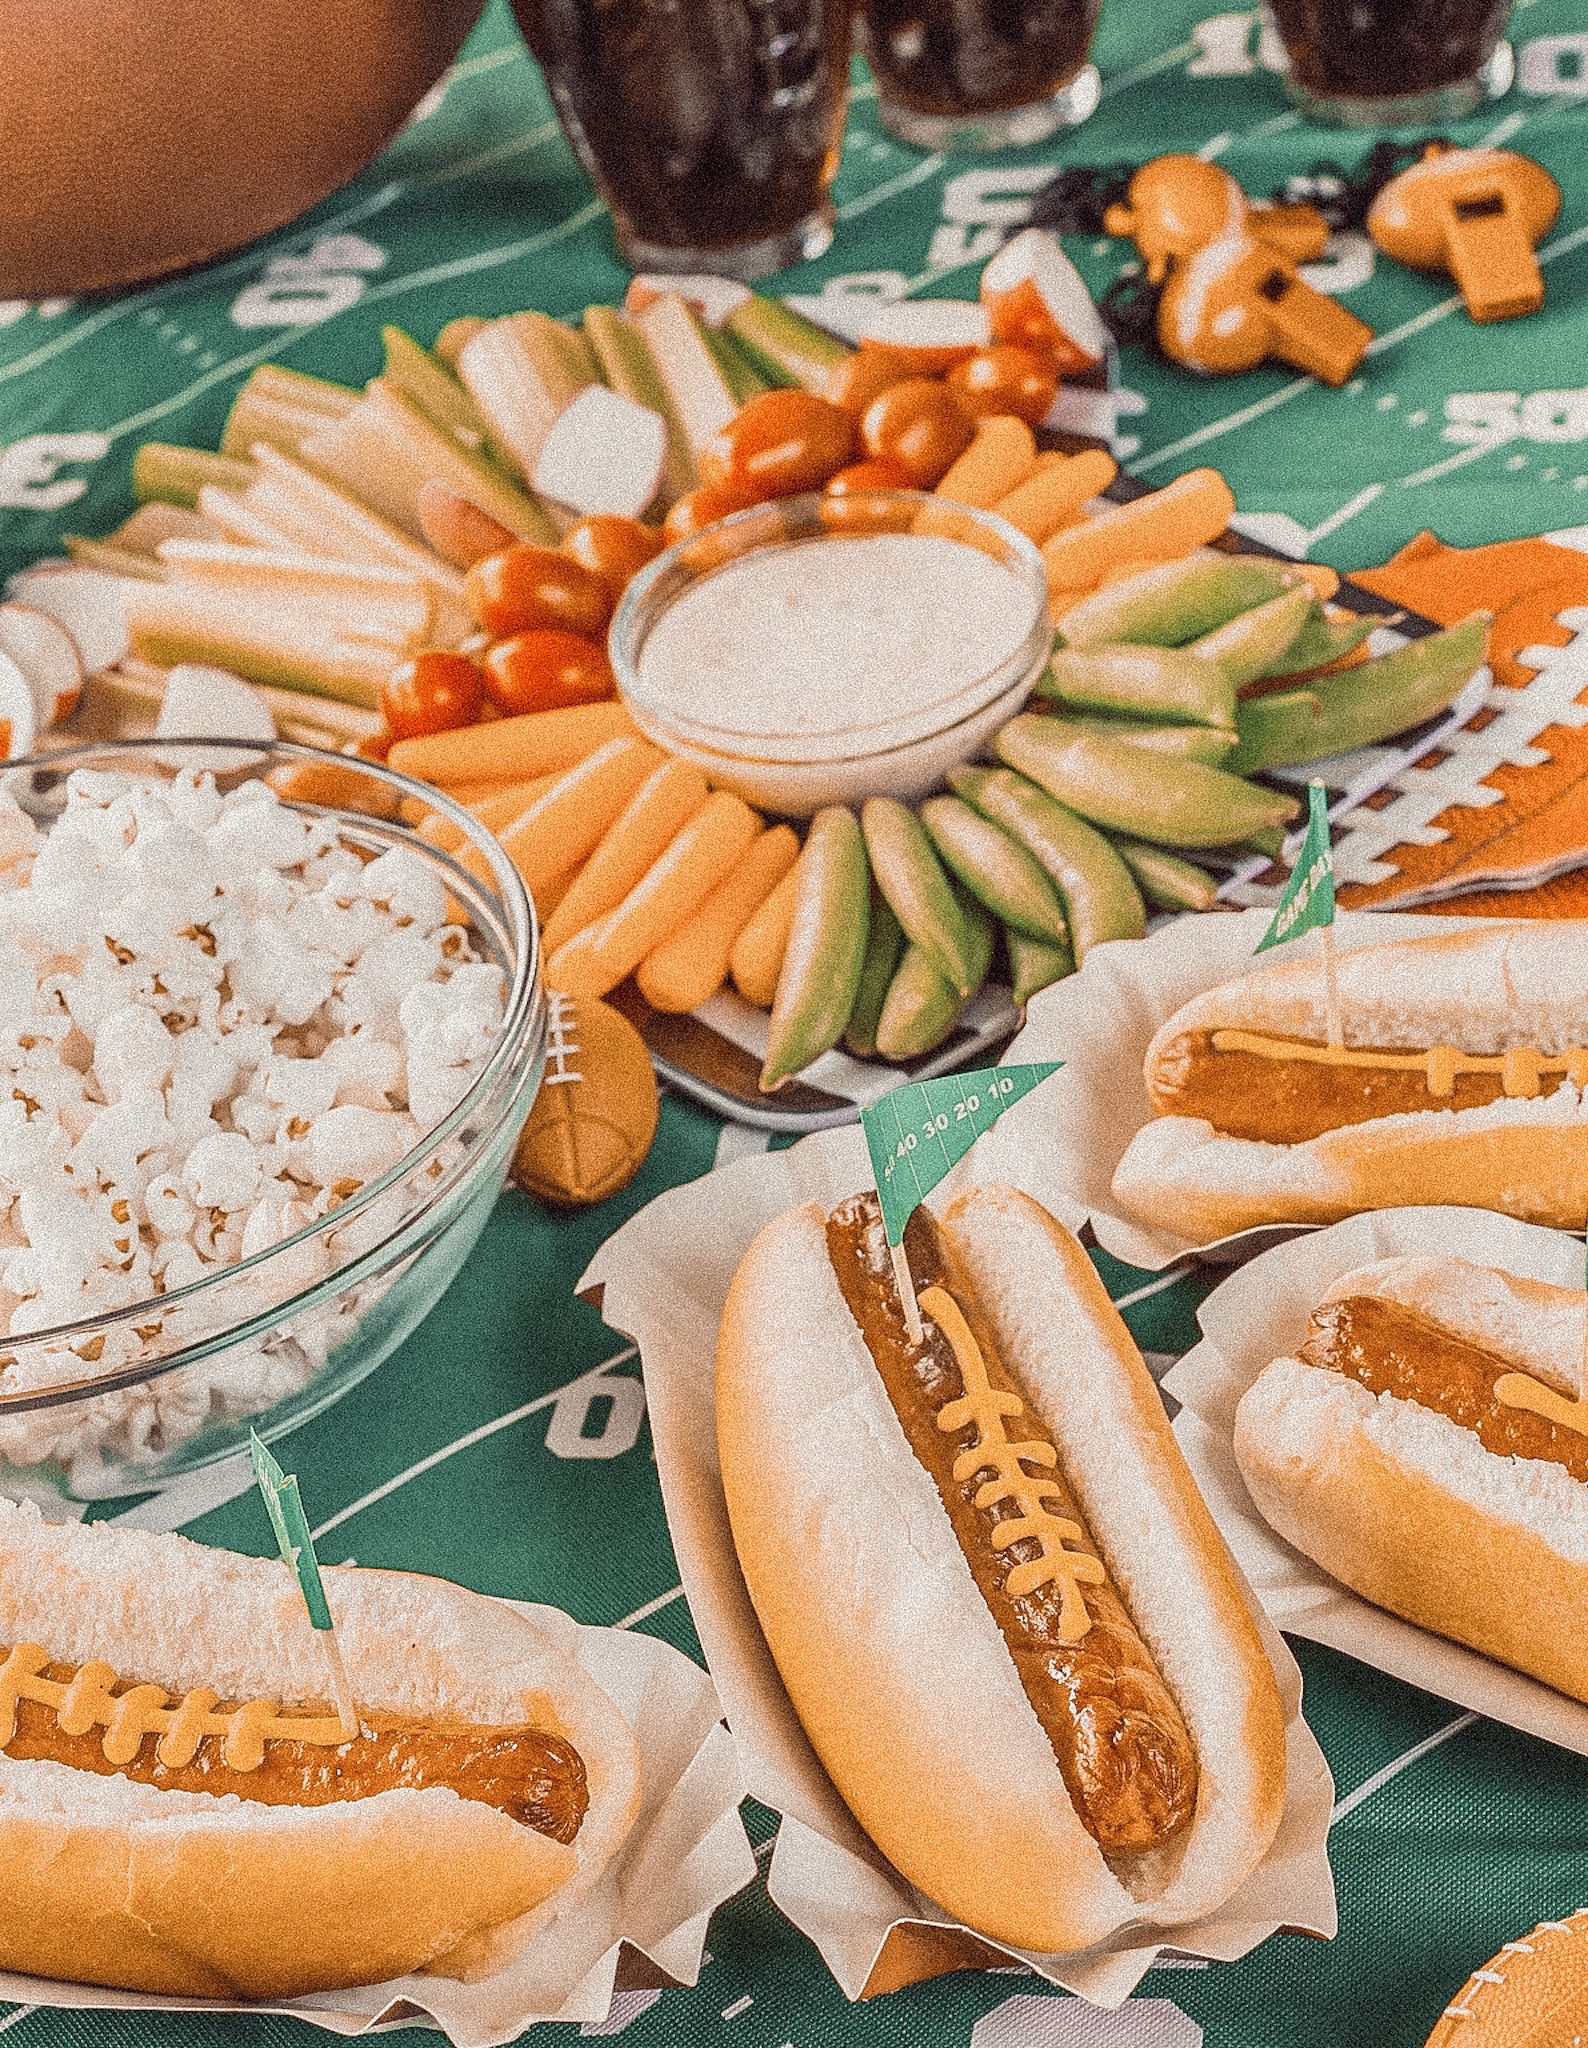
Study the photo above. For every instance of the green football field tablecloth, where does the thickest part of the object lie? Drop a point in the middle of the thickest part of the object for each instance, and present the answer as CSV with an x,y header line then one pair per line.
x,y
505,1445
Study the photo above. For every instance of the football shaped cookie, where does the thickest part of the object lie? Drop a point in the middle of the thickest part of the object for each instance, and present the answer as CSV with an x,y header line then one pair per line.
x,y
595,1116
1533,1994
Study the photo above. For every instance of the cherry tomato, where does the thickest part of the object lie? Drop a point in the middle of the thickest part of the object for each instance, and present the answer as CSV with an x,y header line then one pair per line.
x,y
612,549
526,588
435,692
864,376
700,508
876,473
779,444
1005,379
917,425
546,670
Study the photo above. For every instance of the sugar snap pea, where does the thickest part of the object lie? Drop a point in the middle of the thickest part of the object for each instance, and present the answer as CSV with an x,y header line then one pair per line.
x,y
996,868
1167,882
1359,706
1154,683
1281,727
922,1007
1320,641
884,947
826,946
1034,964
911,876
1254,642
1210,744
1145,796
1100,899
1176,601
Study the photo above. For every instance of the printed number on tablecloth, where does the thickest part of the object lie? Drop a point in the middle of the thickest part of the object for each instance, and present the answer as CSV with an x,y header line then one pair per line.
x,y
1491,418
981,210
1235,45
28,480
296,291
597,1416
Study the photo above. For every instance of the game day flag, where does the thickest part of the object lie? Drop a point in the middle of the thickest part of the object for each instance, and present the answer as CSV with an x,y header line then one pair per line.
x,y
291,1525
916,1133
1309,894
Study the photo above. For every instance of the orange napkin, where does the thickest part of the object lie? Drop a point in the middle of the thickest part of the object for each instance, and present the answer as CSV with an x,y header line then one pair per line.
x,y
1525,856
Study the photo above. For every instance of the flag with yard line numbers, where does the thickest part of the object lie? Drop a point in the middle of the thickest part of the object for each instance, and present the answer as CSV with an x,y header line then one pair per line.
x,y
1309,894
916,1133
291,1525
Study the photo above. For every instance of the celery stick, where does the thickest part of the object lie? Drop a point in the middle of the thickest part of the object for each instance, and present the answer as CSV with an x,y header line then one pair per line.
x,y
313,513
170,623
745,380
296,387
174,476
389,604
785,344
101,554
236,521
521,372
697,387
255,416
469,475
141,532
436,392
627,365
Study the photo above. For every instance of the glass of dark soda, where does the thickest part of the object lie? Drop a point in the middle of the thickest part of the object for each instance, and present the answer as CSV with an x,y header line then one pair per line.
x,y
980,74
1392,63
712,128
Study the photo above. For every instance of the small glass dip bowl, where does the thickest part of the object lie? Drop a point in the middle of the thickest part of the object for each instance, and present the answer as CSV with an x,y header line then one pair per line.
x,y
952,603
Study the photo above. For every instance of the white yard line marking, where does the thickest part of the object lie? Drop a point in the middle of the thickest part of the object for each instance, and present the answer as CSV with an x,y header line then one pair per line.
x,y
1215,428
1457,461
1502,131
487,259
1182,53
11,2018
1152,1287
1379,1779
518,146
651,1607
739,2005
472,67
916,175
1349,510
464,1443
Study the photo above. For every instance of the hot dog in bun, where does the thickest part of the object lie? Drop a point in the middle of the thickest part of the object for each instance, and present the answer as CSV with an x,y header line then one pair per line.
x,y
997,1601
1428,1447
180,1813
1460,1081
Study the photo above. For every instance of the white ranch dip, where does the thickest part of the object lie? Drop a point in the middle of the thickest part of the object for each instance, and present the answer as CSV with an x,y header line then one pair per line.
x,y
833,634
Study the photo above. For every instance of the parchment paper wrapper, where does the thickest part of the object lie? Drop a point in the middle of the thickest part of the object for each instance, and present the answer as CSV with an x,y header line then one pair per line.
x,y
686,1854
1259,1314
664,1276
1068,1136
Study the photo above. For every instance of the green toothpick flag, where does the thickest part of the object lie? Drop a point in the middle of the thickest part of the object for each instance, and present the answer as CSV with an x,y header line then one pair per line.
x,y
1309,894
919,1131
291,1525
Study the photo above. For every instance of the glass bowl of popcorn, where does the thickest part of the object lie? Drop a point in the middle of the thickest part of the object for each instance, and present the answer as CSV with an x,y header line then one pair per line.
x,y
265,1050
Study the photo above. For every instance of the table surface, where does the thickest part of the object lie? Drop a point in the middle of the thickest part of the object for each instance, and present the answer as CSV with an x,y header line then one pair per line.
x,y
485,1450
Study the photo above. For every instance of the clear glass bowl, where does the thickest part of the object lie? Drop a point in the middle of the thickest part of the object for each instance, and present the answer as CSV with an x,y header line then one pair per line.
x,y
900,749
274,1339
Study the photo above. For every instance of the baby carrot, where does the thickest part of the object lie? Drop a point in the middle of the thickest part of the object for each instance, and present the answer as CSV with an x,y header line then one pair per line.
x,y
562,827
1186,514
703,854
507,803
693,963
1000,458
1053,495
657,812
513,749
756,957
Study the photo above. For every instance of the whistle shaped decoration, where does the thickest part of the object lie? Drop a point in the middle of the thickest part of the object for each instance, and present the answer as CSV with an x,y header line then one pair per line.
x,y
1178,204
1476,213
1238,301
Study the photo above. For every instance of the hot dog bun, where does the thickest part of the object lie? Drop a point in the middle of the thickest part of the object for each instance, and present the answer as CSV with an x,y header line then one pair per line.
x,y
1484,991
1405,1505
104,1880
882,1635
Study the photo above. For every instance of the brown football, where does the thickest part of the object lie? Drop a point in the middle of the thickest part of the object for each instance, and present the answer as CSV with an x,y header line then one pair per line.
x,y
1533,1994
596,1113
137,138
